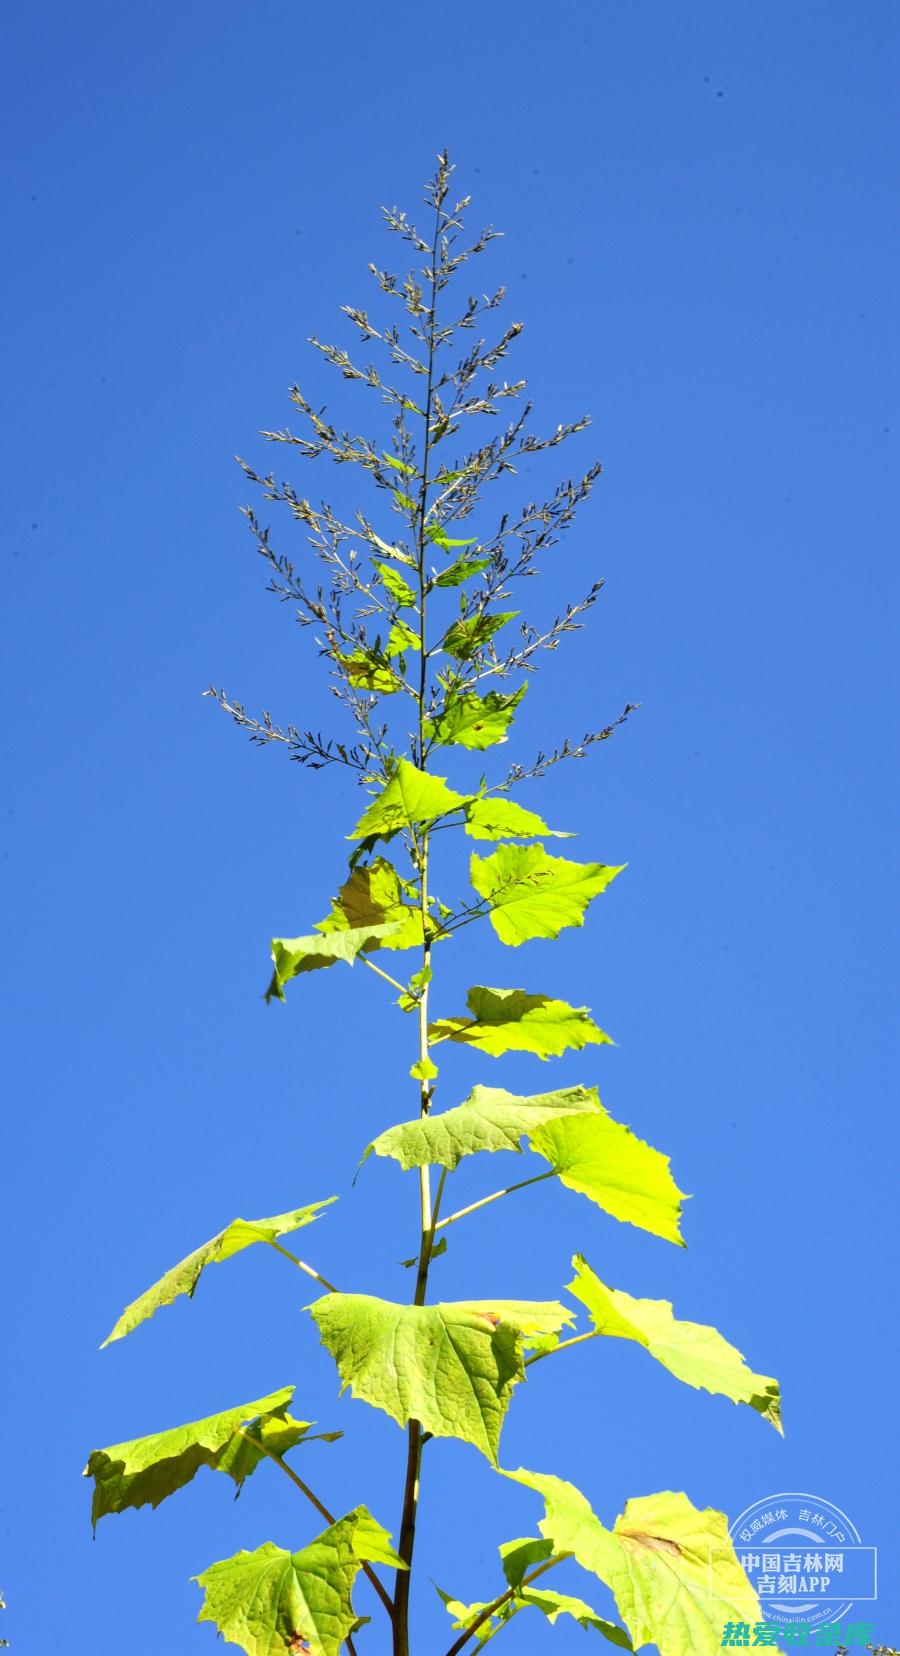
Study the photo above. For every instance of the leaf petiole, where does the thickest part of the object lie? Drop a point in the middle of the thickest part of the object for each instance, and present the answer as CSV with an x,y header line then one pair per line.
x,y
494,1197
304,1267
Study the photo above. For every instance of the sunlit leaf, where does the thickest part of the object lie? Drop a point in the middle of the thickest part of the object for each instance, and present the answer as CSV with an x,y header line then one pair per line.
x,y
411,796
693,1352
394,583
368,671
533,894
475,722
274,1603
498,819
293,955
183,1278
466,637
452,1367
376,897
489,1119
460,571
672,1569
148,1469
509,1020
605,1161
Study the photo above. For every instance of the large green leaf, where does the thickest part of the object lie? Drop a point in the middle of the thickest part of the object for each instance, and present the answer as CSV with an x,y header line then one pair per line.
x,y
293,955
610,1165
373,897
497,819
183,1277
274,1603
489,1119
411,796
691,1351
466,638
452,1367
533,894
476,722
509,1020
672,1569
148,1469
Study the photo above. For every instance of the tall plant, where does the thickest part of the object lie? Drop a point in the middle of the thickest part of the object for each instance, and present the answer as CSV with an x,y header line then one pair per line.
x,y
408,619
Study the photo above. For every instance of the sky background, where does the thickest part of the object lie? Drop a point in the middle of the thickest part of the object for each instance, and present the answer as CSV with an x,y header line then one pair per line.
x,y
699,206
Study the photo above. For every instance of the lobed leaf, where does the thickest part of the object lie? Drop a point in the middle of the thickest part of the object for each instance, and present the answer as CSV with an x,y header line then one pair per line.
x,y
509,1020
603,1160
497,819
489,1119
533,894
183,1277
274,1603
146,1470
672,1569
412,796
292,956
452,1367
472,721
693,1352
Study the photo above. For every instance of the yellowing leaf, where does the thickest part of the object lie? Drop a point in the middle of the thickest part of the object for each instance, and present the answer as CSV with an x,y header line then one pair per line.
x,y
475,722
366,670
148,1469
610,1165
693,1352
509,1020
183,1278
373,897
498,819
452,1367
411,796
535,895
672,1569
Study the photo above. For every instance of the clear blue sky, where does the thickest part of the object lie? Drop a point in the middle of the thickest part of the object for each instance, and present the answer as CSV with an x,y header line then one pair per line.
x,y
701,237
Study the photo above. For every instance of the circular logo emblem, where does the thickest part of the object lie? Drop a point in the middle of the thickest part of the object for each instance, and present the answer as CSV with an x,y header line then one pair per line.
x,y
804,1558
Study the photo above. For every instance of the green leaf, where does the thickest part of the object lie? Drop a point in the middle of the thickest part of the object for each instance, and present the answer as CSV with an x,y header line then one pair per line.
x,y
404,501
148,1469
372,1542
509,1020
293,955
517,1558
394,583
460,571
672,1569
423,1070
475,722
400,639
452,1367
439,537
605,1161
399,465
489,1119
373,897
497,819
183,1278
411,796
466,638
271,1601
366,670
533,894
693,1352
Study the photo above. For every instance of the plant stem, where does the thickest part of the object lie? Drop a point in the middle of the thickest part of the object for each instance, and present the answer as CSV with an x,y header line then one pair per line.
x,y
491,1609
329,1517
386,975
495,1197
304,1267
576,1339
407,1536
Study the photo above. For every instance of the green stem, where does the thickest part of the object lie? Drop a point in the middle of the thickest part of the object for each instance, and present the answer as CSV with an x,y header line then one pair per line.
x,y
494,1197
320,1507
301,1263
491,1609
386,975
576,1339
